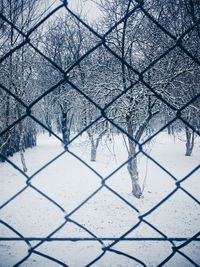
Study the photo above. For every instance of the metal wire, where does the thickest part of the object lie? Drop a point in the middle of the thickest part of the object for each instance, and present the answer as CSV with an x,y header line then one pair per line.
x,y
27,40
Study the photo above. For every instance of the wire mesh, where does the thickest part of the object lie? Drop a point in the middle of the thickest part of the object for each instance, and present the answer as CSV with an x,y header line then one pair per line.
x,y
177,42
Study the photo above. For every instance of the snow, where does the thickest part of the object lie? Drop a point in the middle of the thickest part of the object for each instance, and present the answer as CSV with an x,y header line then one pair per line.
x,y
69,182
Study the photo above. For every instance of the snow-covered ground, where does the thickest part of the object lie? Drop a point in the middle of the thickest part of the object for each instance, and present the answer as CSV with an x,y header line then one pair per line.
x,y
69,182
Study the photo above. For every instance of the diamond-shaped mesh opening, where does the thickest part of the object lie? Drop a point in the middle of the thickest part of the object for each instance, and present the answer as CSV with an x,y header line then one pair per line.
x,y
24,74
155,183
103,150
104,210
14,212
139,41
176,209
140,113
22,138
102,82
66,112
68,186
175,74
63,40
170,142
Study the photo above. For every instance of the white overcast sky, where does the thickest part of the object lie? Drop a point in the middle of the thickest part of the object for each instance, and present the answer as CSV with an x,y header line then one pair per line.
x,y
87,6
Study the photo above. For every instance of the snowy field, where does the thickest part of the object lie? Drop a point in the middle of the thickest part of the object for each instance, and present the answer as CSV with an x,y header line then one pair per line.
x,y
69,182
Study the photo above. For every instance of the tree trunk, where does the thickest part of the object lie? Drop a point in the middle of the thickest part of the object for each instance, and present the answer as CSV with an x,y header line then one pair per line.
x,y
189,141
65,132
132,165
169,129
95,143
49,125
93,152
48,122
23,160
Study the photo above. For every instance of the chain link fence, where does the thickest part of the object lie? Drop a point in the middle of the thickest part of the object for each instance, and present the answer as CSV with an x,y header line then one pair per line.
x,y
140,74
